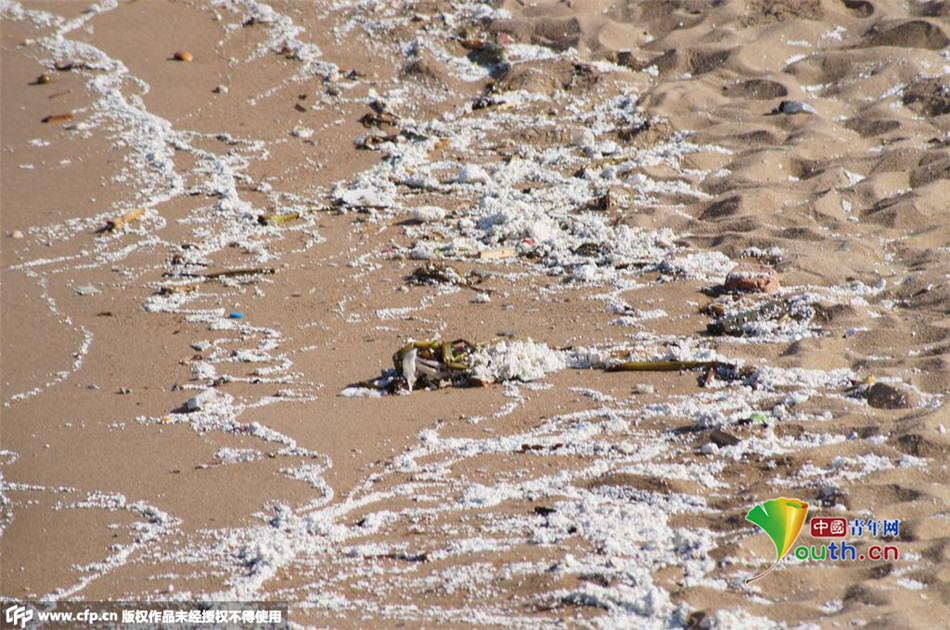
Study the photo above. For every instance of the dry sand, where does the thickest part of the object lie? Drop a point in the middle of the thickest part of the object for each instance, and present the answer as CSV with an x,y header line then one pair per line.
x,y
571,499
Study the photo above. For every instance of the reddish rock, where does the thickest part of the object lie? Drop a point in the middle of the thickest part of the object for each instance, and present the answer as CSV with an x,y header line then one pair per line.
x,y
752,278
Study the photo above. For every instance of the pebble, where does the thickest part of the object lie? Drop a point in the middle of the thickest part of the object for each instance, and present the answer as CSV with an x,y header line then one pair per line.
x,y
583,138
753,278
428,214
43,79
644,388
125,390
16,234
221,89
720,438
884,396
86,289
201,346
482,298
202,400
183,55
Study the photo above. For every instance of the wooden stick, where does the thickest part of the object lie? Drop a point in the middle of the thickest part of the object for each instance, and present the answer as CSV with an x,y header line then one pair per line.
x,y
232,272
128,217
661,366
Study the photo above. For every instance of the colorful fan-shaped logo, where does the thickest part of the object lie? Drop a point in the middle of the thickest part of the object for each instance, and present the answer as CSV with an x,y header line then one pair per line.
x,y
782,520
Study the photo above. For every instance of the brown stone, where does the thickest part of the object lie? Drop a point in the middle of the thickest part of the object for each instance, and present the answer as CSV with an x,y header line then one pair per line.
x,y
884,396
751,278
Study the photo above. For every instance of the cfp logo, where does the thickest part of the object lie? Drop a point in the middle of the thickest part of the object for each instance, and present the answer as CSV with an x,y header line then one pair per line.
x,y
18,616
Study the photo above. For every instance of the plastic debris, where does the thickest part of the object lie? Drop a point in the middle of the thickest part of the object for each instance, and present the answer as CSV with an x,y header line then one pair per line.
x,y
183,55
277,219
757,417
430,362
794,107
235,315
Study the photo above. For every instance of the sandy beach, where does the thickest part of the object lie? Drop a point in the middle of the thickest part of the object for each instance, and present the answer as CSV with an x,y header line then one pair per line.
x,y
220,219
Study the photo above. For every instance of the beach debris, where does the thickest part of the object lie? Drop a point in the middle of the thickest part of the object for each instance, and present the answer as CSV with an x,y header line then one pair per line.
x,y
666,365
757,417
481,51
202,400
379,119
43,79
432,363
373,139
125,390
120,222
884,396
428,214
794,107
436,363
436,273
498,253
177,288
830,496
235,315
484,102
230,273
183,55
16,234
644,388
85,289
221,89
749,277
277,219
737,324
58,118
